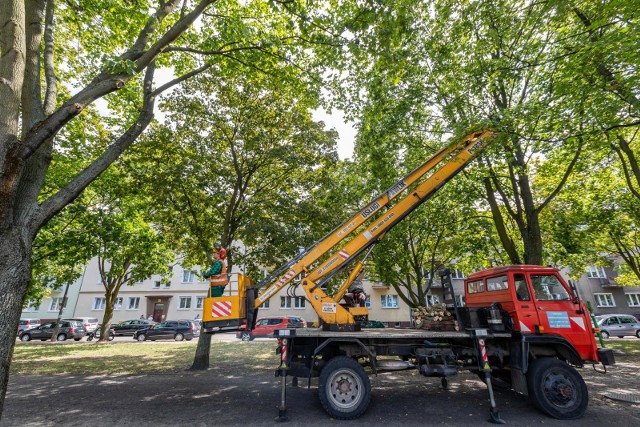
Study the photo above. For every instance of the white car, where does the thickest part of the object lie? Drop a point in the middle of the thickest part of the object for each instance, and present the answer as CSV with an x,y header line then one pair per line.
x,y
618,325
89,323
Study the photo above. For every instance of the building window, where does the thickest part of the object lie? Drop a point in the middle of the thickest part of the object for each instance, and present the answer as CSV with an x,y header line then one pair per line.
x,y
265,304
117,303
285,302
32,306
55,304
604,300
156,284
459,300
133,303
433,299
457,274
199,302
367,302
188,276
633,300
167,285
185,303
299,303
596,272
99,303
389,301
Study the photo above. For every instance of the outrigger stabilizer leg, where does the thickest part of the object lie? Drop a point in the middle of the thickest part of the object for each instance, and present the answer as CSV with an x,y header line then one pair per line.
x,y
494,415
282,371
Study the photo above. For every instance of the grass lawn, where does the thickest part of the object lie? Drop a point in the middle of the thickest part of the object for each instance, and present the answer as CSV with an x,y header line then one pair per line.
x,y
157,358
134,358
626,345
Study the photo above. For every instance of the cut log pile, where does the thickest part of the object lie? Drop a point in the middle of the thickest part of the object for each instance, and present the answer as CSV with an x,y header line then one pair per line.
x,y
434,318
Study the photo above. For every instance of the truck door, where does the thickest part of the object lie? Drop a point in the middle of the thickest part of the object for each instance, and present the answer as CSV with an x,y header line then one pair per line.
x,y
558,314
526,315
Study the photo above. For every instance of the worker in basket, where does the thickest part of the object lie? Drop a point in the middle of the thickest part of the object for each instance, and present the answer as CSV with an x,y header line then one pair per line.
x,y
217,274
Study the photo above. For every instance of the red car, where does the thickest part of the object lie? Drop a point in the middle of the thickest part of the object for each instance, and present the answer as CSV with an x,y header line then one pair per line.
x,y
266,325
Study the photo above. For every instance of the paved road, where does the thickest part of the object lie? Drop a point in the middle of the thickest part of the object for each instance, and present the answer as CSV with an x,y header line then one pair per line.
x,y
218,398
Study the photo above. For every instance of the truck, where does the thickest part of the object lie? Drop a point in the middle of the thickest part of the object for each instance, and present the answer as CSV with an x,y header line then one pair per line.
x,y
522,326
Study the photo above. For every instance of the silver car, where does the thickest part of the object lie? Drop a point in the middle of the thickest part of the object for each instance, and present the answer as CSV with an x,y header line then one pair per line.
x,y
618,325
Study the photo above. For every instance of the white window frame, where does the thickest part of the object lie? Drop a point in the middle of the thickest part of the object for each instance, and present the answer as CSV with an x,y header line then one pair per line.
x,y
389,301
633,299
265,304
188,276
99,303
133,303
117,303
595,272
167,285
199,303
603,301
433,299
457,274
156,284
285,303
184,303
299,303
55,304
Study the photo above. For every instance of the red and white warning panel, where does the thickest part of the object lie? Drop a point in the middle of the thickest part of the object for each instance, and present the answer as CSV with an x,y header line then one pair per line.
x,y
221,309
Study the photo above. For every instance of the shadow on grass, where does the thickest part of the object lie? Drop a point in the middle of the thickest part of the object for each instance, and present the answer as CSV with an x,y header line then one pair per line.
x,y
135,358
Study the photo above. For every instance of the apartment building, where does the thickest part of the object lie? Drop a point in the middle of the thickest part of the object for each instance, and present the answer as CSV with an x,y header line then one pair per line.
x,y
182,298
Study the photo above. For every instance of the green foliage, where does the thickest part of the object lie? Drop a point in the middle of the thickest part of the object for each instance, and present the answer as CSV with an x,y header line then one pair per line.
x,y
238,160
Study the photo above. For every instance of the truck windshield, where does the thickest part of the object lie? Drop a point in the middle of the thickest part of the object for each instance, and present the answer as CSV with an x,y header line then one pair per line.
x,y
548,288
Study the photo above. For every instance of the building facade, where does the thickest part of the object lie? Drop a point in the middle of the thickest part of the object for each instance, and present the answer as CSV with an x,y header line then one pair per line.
x,y
182,298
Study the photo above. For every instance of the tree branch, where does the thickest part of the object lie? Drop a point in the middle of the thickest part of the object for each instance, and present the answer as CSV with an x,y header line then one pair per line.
x,y
69,192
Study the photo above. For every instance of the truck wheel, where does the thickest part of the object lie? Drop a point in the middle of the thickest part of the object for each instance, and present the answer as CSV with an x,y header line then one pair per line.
x,y
557,389
344,388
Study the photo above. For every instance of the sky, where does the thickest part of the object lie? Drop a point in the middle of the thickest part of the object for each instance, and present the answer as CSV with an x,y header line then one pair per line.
x,y
346,131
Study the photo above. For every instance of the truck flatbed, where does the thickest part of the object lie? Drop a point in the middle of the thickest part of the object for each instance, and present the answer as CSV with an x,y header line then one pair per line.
x,y
388,333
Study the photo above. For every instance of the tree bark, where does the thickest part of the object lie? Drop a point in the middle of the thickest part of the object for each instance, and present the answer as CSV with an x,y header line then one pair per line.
x,y
15,274
201,358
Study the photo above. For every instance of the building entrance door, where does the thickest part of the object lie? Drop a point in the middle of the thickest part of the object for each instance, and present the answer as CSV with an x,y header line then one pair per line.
x,y
158,312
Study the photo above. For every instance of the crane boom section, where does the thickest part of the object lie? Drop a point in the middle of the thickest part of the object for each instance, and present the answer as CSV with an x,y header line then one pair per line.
x,y
462,150
321,247
470,147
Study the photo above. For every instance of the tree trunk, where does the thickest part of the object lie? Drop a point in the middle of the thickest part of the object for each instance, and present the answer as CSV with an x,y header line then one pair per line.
x,y
15,274
201,358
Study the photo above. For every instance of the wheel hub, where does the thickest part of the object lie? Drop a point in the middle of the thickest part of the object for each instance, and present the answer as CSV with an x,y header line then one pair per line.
x,y
560,390
344,386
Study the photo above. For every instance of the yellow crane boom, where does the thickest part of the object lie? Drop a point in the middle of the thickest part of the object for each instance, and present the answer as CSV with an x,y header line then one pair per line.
x,y
450,159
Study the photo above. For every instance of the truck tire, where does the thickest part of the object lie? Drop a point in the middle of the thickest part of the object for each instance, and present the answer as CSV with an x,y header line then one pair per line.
x,y
344,388
557,389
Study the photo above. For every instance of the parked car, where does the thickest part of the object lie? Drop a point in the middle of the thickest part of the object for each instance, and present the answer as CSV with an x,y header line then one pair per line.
x,y
267,325
172,329
28,324
618,325
89,323
197,326
129,327
69,328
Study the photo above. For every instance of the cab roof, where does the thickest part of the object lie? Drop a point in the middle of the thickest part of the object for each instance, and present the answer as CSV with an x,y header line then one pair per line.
x,y
504,269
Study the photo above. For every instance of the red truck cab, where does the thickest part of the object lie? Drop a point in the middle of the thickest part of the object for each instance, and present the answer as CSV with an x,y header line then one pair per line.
x,y
538,301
